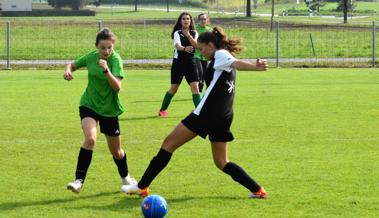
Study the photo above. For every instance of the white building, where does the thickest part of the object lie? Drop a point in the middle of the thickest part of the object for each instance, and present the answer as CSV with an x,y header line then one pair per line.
x,y
15,5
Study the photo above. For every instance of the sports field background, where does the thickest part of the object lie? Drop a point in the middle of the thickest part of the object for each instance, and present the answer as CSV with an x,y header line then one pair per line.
x,y
310,136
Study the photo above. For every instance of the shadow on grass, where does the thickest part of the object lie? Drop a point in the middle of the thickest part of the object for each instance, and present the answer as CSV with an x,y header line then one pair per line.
x,y
124,202
184,199
122,205
160,101
152,117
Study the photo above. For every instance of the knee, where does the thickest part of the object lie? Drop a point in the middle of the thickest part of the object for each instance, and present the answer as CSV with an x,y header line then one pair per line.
x,y
118,154
220,163
195,87
89,143
173,90
168,145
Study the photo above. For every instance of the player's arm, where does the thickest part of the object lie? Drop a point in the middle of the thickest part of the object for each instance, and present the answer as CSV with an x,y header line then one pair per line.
x,y
192,40
178,44
260,65
114,82
68,73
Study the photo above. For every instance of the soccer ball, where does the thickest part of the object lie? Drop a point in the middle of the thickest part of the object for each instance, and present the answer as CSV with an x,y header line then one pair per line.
x,y
154,206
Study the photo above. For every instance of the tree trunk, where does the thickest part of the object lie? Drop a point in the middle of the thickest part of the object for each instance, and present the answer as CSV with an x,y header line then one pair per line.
x,y
272,14
248,8
345,11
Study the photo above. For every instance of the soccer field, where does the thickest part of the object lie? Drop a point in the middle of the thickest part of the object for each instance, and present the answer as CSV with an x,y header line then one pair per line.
x,y
309,136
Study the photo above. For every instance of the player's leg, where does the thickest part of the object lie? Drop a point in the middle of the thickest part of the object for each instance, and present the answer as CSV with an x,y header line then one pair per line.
x,y
176,78
179,136
196,97
192,78
220,158
167,99
110,127
200,71
85,154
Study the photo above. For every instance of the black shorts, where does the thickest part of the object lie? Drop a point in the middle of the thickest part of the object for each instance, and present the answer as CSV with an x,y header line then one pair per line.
x,y
108,125
186,68
218,131
201,68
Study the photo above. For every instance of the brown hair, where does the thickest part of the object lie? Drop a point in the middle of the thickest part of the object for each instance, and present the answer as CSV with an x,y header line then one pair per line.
x,y
221,40
105,34
178,25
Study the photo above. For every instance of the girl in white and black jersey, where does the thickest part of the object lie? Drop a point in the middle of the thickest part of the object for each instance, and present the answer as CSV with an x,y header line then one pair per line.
x,y
212,117
183,63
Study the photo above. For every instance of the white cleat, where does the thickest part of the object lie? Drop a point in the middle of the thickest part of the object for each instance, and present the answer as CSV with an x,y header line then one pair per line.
x,y
128,180
134,190
75,186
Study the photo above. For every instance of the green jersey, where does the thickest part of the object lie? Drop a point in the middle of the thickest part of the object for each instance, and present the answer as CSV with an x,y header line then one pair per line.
x,y
201,30
99,95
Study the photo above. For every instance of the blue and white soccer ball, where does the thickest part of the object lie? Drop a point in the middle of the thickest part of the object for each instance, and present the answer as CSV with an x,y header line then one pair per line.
x,y
154,206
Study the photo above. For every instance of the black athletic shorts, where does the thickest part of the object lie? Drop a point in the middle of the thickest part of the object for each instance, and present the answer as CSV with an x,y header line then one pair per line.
x,y
184,68
218,131
201,68
108,125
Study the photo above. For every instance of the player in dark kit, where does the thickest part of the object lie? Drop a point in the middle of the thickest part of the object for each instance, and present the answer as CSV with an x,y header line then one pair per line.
x,y
212,117
183,63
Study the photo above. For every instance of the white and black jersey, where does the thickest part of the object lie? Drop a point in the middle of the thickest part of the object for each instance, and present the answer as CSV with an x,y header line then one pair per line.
x,y
183,64
182,40
214,114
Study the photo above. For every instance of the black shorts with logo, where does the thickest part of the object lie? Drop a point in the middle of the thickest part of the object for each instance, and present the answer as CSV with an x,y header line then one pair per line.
x,y
184,68
217,130
108,125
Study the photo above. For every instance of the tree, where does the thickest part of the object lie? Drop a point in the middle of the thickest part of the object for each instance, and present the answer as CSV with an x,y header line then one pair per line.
x,y
58,4
272,13
97,3
73,4
314,5
345,6
248,8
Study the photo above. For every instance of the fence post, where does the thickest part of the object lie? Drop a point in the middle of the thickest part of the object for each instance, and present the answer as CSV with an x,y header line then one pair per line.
x,y
313,45
8,67
100,24
277,44
373,44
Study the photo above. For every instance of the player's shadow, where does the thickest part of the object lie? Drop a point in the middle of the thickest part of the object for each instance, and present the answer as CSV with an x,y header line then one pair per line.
x,y
184,199
150,118
159,101
22,204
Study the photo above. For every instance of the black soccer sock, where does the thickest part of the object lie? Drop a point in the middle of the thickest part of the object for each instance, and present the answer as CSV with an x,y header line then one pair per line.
x,y
240,176
84,160
122,166
157,164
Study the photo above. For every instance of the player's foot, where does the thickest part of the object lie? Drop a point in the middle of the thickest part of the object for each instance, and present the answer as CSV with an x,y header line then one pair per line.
x,y
75,186
128,180
261,193
134,190
163,113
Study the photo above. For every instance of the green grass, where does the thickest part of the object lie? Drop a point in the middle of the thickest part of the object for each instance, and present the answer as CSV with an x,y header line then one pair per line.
x,y
310,136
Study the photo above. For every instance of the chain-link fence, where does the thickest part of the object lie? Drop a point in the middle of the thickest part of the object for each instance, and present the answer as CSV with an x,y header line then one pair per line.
x,y
51,41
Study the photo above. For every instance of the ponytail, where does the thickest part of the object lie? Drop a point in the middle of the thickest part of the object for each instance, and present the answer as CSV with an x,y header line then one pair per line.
x,y
222,41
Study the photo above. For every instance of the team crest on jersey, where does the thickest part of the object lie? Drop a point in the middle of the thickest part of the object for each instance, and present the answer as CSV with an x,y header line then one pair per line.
x,y
231,86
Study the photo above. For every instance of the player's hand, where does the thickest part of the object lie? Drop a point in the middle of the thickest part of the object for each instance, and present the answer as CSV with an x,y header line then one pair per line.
x,y
261,64
186,33
188,49
68,75
103,64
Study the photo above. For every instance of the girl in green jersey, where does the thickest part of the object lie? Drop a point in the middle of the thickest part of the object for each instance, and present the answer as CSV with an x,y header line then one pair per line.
x,y
100,104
